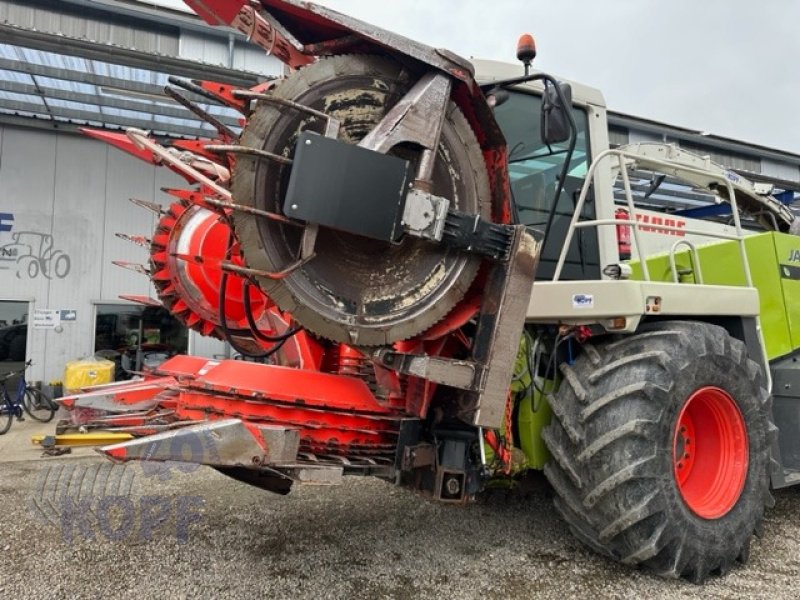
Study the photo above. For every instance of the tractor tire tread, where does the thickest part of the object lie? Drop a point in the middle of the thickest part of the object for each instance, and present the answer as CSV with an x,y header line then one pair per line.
x,y
612,466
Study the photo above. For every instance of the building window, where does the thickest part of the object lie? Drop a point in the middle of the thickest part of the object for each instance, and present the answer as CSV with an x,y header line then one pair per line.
x,y
137,337
13,335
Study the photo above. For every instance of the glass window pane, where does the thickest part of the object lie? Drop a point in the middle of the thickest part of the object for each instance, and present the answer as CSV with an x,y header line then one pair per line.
x,y
137,337
13,338
534,169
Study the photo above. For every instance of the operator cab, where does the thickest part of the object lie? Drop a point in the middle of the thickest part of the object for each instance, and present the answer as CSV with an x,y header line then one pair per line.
x,y
535,166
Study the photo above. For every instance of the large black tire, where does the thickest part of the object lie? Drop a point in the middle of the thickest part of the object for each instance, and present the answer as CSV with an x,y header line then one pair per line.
x,y
38,405
356,290
612,439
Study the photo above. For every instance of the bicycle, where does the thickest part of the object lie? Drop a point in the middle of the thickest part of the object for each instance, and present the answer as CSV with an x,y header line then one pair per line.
x,y
33,401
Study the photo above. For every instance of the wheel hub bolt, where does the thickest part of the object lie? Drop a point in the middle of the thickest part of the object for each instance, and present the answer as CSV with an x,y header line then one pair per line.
x,y
452,486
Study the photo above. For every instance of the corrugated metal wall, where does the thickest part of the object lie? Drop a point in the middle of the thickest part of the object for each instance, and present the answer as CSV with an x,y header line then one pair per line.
x,y
87,26
75,190
146,37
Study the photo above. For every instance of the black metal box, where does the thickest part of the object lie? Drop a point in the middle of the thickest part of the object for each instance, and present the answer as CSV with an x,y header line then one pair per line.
x,y
348,188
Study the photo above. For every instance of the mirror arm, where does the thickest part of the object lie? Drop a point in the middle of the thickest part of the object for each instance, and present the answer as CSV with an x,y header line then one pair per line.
x,y
573,137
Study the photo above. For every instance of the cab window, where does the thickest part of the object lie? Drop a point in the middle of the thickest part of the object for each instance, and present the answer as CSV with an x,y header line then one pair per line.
x,y
534,169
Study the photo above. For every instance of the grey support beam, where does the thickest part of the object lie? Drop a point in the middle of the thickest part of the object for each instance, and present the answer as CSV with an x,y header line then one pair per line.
x,y
91,78
48,42
90,117
109,101
45,123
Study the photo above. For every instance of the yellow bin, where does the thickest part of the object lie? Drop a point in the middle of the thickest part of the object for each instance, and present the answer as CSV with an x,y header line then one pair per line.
x,y
86,372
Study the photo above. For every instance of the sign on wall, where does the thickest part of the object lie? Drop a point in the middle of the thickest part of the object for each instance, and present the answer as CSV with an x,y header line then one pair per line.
x,y
45,318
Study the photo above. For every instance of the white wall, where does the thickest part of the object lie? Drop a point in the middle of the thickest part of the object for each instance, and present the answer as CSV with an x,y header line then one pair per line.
x,y
75,189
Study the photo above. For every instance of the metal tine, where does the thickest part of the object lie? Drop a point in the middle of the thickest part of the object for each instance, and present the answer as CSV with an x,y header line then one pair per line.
x,y
218,203
135,267
191,86
139,240
337,458
274,275
224,130
228,266
151,206
143,141
333,124
221,148
146,300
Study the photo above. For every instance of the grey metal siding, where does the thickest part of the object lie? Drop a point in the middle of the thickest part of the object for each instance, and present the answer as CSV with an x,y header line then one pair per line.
x,y
76,190
88,27
780,170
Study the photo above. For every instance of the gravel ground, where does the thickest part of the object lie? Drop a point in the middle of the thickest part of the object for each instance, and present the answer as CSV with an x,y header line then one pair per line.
x,y
170,534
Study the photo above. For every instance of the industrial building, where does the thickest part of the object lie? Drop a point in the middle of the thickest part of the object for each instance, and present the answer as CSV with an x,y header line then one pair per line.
x,y
64,197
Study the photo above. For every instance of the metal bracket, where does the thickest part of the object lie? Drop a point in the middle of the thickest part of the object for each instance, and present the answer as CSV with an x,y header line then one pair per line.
x,y
461,374
424,215
417,457
500,323
487,375
476,235
416,118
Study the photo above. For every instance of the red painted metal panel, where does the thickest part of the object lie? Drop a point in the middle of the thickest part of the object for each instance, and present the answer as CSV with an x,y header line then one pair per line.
x,y
216,12
320,390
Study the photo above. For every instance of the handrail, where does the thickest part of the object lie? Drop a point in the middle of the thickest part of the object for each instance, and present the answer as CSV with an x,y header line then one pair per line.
x,y
676,170
670,228
698,273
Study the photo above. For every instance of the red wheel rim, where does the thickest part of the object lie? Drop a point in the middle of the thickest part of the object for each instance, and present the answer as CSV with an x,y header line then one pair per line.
x,y
710,452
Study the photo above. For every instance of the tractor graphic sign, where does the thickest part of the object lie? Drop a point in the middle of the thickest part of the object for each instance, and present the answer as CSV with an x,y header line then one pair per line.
x,y
32,254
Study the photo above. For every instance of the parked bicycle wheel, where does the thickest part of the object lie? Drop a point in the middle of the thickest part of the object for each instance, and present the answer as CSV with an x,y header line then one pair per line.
x,y
38,405
5,417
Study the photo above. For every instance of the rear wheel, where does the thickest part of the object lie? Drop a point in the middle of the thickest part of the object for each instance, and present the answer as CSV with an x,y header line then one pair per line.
x,y
59,264
38,405
661,449
6,415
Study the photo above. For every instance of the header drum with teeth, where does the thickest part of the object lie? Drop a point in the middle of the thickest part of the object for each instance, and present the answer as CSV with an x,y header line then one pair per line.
x,y
187,236
355,290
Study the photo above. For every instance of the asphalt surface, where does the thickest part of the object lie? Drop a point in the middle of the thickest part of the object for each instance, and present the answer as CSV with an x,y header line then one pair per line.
x,y
169,534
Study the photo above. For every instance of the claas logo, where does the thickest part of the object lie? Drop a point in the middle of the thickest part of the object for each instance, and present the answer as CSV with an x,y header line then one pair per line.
x,y
794,255
665,221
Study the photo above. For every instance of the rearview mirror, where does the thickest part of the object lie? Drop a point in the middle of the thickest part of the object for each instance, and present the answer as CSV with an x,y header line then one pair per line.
x,y
555,123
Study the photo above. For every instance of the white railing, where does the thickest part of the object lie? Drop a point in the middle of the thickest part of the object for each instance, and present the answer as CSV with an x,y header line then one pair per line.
x,y
675,169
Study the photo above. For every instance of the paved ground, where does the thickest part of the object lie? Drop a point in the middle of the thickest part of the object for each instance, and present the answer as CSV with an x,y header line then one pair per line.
x,y
163,533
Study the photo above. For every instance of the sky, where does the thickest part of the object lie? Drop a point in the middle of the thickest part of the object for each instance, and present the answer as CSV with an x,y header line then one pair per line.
x,y
726,67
